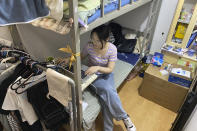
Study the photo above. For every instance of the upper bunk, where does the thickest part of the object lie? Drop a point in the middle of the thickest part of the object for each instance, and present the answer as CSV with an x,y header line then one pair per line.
x,y
112,11
90,14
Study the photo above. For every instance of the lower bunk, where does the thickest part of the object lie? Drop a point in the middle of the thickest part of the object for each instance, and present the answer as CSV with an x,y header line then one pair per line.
x,y
122,69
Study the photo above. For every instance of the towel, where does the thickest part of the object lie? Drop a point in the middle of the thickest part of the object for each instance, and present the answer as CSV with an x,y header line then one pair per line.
x,y
58,86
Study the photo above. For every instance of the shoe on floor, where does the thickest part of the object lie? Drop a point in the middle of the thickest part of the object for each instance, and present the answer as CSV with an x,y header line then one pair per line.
x,y
128,124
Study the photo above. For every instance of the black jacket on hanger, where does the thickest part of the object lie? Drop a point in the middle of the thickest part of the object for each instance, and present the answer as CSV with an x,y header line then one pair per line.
x,y
49,110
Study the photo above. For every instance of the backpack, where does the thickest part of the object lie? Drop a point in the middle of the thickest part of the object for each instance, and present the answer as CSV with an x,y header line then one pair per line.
x,y
122,44
127,45
116,30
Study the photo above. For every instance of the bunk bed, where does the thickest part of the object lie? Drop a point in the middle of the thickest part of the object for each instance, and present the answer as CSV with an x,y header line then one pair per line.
x,y
101,15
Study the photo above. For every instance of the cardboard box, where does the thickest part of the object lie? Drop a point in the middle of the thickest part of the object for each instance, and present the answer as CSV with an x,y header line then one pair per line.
x,y
179,79
156,88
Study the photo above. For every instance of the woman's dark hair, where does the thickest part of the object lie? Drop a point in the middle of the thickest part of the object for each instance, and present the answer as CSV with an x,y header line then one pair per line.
x,y
102,32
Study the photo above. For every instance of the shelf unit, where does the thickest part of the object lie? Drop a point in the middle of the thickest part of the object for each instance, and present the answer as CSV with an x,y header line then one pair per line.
x,y
189,29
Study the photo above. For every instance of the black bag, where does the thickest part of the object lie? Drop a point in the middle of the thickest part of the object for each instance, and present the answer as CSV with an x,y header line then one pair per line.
x,y
116,30
122,44
50,111
127,45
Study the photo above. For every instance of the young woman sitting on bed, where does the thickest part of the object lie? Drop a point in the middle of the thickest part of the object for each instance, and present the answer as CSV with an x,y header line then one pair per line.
x,y
101,57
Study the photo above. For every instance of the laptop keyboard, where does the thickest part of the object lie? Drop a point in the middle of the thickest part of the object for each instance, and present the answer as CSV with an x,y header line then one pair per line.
x,y
86,79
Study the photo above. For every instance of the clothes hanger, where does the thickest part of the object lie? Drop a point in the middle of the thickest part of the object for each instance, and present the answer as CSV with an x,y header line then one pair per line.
x,y
19,80
34,70
26,73
26,86
23,84
18,51
13,53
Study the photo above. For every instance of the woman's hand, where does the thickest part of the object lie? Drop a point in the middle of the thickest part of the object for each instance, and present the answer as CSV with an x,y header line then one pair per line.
x,y
92,70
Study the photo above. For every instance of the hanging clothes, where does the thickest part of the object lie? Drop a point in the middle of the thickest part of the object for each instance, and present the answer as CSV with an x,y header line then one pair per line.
x,y
21,11
50,111
14,101
6,79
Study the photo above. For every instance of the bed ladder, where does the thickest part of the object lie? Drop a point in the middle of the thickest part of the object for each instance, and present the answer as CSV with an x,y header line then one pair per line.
x,y
150,27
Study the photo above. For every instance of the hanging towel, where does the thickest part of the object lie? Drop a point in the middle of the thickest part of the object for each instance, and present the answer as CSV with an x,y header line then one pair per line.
x,y
21,11
58,85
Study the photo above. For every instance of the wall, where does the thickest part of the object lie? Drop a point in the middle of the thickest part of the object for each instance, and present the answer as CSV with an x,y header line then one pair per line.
x,y
138,19
41,43
135,19
166,15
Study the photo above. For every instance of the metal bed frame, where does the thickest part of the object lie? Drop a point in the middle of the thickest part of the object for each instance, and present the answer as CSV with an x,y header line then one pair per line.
x,y
75,33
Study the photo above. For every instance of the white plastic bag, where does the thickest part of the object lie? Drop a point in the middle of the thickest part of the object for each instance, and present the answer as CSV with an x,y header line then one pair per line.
x,y
56,8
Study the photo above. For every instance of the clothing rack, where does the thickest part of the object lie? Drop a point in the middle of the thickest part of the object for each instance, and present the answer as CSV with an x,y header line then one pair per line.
x,y
72,107
34,64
